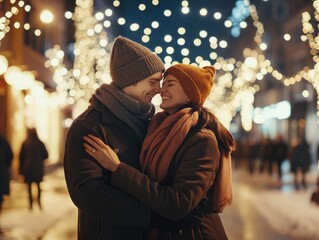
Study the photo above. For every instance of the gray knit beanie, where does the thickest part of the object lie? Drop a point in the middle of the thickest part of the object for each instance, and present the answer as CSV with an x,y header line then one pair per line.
x,y
131,62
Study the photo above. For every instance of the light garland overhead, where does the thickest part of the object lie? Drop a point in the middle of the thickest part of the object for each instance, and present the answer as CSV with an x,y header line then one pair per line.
x,y
6,20
236,80
236,83
309,74
235,87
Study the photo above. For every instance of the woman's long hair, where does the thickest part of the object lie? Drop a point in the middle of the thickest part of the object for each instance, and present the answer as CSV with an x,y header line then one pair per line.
x,y
207,119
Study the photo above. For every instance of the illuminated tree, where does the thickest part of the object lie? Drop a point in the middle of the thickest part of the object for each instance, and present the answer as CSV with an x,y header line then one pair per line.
x,y
90,68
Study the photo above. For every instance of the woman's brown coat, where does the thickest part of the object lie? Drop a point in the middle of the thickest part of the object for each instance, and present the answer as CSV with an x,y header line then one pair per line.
x,y
185,195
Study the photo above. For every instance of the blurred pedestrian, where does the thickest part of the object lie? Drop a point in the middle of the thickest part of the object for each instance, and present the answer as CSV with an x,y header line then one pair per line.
x,y
185,160
6,157
32,155
300,162
252,158
118,113
315,195
237,155
280,153
264,154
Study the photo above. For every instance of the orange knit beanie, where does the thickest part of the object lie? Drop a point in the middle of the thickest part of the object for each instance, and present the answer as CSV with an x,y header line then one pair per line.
x,y
197,82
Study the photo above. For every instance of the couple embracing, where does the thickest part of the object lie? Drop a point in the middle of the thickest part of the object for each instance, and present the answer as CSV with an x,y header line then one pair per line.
x,y
136,175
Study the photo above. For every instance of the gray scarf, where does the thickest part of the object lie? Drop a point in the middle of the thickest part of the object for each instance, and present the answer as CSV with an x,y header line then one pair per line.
x,y
134,113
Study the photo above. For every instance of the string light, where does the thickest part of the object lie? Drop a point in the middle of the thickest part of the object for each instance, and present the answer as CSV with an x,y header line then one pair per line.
x,y
233,87
5,21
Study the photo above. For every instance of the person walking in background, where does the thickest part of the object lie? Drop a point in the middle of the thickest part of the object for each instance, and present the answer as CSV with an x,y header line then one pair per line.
x,y
119,113
315,194
32,155
300,162
6,157
185,158
264,154
252,156
280,153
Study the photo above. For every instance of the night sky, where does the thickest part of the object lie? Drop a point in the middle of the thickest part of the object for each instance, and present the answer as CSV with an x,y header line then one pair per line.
x,y
193,22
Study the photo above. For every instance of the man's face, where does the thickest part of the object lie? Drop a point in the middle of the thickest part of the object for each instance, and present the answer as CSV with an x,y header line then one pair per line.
x,y
145,89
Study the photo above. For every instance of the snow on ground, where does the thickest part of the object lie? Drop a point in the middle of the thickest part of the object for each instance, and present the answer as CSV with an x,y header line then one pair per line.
x,y
287,210
20,223
290,213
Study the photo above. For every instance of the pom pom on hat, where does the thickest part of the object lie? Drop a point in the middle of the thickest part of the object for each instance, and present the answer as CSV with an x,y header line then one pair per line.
x,y
197,82
132,62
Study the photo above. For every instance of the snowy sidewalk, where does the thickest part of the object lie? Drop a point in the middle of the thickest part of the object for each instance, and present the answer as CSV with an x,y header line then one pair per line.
x,y
287,210
20,223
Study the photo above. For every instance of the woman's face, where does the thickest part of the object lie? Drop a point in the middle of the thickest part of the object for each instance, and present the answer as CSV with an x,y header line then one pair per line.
x,y
173,95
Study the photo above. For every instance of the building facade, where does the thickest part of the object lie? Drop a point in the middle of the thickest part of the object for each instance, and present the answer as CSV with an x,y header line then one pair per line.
x,y
27,96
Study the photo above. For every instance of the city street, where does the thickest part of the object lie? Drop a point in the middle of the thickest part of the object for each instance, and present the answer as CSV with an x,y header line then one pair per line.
x,y
20,223
243,220
247,70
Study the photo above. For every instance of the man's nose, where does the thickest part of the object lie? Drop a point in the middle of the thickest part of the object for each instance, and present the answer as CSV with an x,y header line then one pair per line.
x,y
157,87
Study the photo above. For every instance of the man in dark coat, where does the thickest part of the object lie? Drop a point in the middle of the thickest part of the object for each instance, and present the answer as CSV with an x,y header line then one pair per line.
x,y
6,157
118,113
279,153
300,162
32,155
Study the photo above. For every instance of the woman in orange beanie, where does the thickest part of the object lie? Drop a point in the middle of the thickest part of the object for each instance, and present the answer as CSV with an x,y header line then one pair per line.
x,y
185,158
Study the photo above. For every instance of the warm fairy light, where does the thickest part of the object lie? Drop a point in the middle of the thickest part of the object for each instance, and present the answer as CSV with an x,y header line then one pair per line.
x,y
181,41
168,38
217,15
197,42
203,12
184,3
116,3
4,64
181,31
287,37
68,15
158,50
142,7
203,33
147,31
46,16
134,26
145,39
185,10
155,24
167,13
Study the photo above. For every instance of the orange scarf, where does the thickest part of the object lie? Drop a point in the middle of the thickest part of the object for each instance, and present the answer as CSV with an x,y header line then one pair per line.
x,y
223,191
164,137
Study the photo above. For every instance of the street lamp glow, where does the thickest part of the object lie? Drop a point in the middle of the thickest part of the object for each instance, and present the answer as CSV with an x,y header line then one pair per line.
x,y
4,64
46,16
